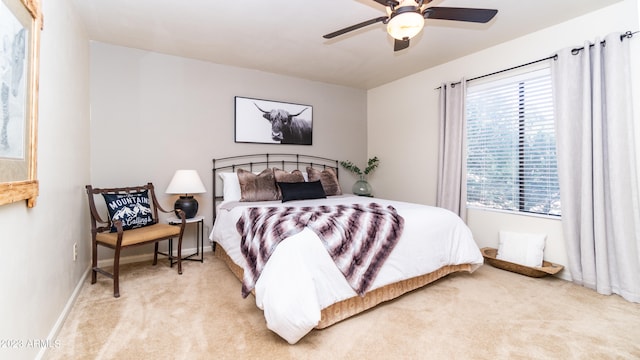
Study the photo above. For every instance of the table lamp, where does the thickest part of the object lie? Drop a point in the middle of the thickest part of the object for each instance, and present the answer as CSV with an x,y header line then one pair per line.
x,y
186,182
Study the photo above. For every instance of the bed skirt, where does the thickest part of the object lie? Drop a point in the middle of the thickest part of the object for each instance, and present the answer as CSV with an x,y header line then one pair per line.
x,y
357,304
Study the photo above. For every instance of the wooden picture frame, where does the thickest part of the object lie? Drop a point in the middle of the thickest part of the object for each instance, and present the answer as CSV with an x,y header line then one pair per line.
x,y
272,122
20,26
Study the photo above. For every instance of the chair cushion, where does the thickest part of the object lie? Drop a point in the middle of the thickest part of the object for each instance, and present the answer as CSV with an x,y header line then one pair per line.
x,y
140,235
133,209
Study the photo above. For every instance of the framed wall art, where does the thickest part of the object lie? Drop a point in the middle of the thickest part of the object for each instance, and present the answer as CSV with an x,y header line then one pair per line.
x,y
272,122
20,26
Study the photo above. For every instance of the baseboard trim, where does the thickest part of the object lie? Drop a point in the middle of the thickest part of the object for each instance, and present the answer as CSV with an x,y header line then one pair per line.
x,y
53,334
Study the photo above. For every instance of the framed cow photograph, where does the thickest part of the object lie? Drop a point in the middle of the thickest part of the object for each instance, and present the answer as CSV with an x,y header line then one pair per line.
x,y
272,122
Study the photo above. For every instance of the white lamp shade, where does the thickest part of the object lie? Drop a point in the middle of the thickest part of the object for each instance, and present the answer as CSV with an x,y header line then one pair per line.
x,y
405,25
186,182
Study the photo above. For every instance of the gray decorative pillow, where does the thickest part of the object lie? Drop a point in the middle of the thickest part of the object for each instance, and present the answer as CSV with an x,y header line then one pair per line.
x,y
288,177
260,187
328,178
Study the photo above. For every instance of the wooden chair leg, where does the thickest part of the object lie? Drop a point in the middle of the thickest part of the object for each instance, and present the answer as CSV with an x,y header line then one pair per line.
x,y
180,255
116,273
155,254
94,261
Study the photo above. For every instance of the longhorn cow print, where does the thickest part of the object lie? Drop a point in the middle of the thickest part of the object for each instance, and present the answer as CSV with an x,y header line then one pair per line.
x,y
288,128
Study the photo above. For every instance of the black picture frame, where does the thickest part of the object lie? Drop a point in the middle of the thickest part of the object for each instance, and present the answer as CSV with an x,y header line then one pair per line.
x,y
272,122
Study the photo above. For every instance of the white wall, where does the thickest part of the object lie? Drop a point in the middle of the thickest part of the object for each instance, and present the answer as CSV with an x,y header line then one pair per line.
x,y
37,271
152,114
403,129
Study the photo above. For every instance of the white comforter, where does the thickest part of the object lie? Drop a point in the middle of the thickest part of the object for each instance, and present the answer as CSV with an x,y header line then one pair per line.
x,y
300,279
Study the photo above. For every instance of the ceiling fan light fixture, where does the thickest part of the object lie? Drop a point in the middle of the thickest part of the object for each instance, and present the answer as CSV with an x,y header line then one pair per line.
x,y
405,25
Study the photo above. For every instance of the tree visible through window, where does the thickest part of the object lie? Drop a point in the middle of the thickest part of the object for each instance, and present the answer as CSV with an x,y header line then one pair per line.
x,y
511,146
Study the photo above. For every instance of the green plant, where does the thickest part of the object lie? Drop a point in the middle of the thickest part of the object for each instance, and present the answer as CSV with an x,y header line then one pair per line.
x,y
372,164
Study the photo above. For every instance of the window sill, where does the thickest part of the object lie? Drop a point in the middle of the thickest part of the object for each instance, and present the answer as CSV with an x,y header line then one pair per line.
x,y
520,213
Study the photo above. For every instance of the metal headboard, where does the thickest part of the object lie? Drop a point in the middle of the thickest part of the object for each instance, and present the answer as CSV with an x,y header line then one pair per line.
x,y
259,162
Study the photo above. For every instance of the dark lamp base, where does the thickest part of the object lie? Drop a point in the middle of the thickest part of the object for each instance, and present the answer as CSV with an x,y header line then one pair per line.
x,y
187,204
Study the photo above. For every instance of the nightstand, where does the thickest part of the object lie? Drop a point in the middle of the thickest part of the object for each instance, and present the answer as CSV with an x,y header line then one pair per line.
x,y
199,221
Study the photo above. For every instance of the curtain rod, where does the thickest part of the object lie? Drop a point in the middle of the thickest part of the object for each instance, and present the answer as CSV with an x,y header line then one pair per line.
x,y
626,35
575,51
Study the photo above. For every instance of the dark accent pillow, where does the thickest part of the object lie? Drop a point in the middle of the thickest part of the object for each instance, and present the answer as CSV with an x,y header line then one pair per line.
x,y
287,177
260,187
328,178
133,209
301,190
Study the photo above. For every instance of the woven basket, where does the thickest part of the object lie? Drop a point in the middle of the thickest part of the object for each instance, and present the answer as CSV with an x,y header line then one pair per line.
x,y
547,268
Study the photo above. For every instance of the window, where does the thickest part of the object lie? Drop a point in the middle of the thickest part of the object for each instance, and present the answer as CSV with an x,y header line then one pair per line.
x,y
511,146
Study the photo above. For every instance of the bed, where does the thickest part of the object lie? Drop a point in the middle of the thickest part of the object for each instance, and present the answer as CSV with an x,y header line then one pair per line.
x,y
298,278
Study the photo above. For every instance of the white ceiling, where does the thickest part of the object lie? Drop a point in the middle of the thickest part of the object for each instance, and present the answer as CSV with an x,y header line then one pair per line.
x,y
285,36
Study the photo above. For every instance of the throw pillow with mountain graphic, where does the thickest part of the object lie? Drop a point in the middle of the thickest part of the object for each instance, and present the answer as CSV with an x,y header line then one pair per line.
x,y
133,209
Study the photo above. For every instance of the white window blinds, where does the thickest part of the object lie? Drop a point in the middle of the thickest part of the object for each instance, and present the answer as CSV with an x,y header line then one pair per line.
x,y
511,148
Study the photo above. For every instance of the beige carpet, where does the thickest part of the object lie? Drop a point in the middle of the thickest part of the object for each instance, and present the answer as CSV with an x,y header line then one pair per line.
x,y
490,314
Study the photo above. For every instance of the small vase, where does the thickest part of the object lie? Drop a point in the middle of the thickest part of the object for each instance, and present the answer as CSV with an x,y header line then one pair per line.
x,y
362,187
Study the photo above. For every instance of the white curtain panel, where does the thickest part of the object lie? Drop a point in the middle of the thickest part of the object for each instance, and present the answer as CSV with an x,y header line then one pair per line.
x,y
452,183
597,167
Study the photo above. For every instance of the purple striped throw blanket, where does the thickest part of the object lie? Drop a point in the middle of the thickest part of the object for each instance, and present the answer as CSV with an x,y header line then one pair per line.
x,y
359,237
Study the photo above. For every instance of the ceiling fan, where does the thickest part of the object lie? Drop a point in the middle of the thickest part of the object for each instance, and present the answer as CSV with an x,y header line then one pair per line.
x,y
405,19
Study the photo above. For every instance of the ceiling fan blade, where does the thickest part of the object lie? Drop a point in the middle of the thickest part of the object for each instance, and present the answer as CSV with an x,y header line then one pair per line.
x,y
460,14
400,44
355,27
387,2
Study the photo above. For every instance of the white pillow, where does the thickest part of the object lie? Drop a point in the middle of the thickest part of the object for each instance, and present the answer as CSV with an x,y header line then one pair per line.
x,y
230,186
521,248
